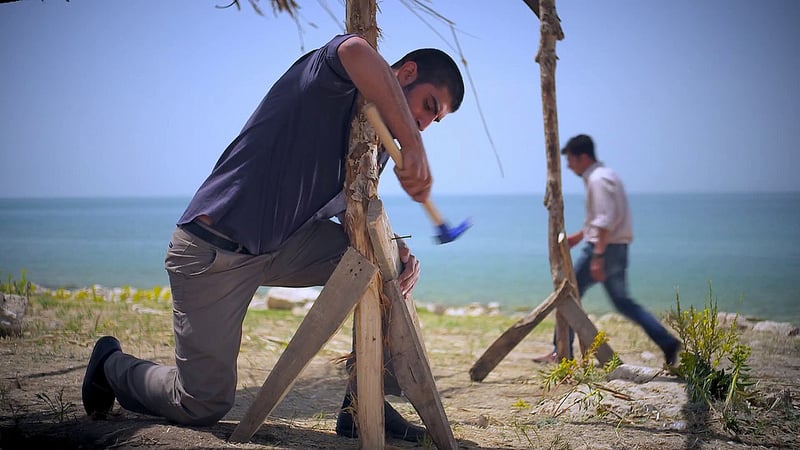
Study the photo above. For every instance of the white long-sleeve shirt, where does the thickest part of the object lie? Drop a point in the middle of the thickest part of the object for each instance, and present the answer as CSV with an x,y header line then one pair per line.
x,y
606,206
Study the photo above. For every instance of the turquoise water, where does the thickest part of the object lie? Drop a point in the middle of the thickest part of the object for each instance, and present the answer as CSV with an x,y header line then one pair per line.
x,y
744,245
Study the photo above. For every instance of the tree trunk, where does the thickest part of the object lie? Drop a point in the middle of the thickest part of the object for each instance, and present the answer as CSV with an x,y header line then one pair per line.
x,y
560,260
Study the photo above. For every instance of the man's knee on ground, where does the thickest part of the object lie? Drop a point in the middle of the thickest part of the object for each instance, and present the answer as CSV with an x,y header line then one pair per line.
x,y
197,412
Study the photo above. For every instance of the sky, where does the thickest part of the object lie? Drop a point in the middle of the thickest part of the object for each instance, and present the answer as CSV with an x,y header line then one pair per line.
x,y
120,98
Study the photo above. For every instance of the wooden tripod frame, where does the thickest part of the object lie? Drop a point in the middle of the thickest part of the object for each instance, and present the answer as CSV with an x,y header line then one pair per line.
x,y
355,280
565,296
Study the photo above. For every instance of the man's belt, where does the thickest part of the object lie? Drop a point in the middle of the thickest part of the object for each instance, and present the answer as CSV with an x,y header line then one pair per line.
x,y
213,239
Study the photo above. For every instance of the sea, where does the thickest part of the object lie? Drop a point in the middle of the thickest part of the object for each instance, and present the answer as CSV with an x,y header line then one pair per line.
x,y
740,251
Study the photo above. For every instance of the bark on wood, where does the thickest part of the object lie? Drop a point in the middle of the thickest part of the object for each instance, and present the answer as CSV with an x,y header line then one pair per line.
x,y
361,186
561,268
560,261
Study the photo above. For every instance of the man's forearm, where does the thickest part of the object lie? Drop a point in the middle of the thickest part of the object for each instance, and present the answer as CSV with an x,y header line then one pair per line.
x,y
602,241
377,82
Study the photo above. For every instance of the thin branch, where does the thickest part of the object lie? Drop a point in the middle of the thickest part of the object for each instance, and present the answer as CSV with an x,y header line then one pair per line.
x,y
478,104
289,6
433,12
435,31
324,5
234,2
258,10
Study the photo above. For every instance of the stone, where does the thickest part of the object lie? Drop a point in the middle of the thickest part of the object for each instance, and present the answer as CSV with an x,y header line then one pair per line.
x,y
636,374
12,310
290,298
781,328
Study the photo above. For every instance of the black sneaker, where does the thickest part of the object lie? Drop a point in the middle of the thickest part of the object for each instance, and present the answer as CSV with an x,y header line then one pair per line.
x,y
96,393
395,425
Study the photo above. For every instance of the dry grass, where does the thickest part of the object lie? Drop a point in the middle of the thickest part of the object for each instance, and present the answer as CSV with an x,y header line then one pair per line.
x,y
42,370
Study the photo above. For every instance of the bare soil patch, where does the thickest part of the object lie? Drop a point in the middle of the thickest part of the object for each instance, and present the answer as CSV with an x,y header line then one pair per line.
x,y
41,373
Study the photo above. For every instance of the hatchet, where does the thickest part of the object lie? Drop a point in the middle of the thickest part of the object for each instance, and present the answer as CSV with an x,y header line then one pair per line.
x,y
445,233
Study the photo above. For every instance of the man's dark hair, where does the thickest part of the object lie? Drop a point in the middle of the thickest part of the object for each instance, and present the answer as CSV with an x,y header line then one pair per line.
x,y
580,145
437,68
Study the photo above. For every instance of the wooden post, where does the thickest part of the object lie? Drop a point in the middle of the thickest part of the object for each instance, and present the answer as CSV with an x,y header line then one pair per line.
x,y
565,296
560,261
361,185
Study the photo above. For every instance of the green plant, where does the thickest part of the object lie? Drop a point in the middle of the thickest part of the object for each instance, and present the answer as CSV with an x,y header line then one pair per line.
x,y
706,345
583,372
520,430
21,287
60,408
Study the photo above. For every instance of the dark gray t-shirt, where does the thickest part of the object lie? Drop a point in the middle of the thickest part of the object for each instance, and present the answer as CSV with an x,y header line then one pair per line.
x,y
288,160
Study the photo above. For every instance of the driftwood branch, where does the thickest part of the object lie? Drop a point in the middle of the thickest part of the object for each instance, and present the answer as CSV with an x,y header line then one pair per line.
x,y
560,261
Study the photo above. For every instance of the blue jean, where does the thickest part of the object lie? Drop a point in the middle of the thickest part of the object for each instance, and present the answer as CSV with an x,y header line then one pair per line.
x,y
616,286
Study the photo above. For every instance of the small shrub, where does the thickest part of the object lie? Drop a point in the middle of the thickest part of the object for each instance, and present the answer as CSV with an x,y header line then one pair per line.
x,y
583,372
705,346
13,287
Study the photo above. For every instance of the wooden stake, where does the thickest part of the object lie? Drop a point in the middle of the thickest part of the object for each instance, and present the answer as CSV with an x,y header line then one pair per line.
x,y
514,335
347,285
361,185
406,348
413,371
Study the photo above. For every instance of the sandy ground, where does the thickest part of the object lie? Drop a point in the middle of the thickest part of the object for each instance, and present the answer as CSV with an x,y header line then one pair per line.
x,y
41,373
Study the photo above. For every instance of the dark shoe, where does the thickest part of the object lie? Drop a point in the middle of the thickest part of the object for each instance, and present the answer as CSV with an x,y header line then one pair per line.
x,y
96,393
547,359
399,428
395,425
345,425
672,354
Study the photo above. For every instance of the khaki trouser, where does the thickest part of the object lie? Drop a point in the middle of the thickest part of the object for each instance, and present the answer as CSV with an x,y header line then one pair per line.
x,y
211,290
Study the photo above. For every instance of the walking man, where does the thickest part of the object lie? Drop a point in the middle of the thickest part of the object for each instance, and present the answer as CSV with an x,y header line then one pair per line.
x,y
608,231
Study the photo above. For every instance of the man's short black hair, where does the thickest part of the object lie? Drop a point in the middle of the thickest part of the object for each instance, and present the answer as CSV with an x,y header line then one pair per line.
x,y
437,68
580,145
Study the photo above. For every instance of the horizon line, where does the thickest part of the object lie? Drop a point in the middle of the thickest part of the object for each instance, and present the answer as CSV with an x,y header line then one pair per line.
x,y
401,194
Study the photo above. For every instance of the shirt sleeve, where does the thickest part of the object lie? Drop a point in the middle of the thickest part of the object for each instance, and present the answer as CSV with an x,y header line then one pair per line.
x,y
601,192
325,73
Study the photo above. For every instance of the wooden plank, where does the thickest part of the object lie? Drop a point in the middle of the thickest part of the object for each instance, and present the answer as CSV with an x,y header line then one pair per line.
x,y
408,355
514,335
562,325
369,369
413,371
381,234
346,286
562,336
386,253
584,328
